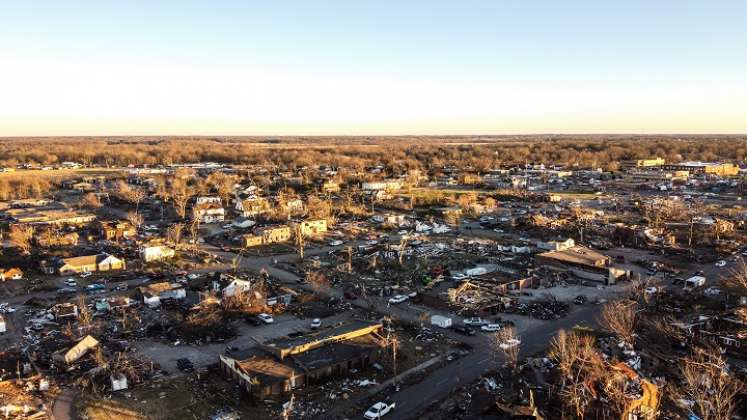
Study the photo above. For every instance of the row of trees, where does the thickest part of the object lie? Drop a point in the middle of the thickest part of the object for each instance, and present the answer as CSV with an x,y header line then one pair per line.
x,y
402,153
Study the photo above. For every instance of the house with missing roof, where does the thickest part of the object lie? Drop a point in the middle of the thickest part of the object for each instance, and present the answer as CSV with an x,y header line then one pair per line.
x,y
582,262
279,366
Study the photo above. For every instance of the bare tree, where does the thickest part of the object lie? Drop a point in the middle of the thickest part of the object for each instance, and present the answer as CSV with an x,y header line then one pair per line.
x,y
620,318
85,317
133,195
300,242
581,367
707,382
181,192
506,344
135,218
318,281
91,201
223,184
174,234
736,281
20,236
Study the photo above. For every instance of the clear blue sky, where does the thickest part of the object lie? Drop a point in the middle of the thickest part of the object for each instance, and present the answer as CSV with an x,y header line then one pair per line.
x,y
372,67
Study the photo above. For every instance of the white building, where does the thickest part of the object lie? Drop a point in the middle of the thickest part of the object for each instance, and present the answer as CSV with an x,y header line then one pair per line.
x,y
156,253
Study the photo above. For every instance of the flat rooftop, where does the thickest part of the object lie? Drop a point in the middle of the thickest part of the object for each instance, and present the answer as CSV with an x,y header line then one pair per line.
x,y
577,255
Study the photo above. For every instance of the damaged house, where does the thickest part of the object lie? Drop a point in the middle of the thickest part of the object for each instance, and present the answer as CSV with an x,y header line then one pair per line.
x,y
582,262
279,366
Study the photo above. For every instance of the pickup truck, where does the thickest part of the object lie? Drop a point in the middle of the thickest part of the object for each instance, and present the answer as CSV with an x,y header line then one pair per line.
x,y
378,410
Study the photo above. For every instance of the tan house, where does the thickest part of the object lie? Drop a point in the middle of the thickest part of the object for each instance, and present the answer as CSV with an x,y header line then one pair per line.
x,y
113,231
274,234
253,207
311,227
250,240
330,187
90,264
267,235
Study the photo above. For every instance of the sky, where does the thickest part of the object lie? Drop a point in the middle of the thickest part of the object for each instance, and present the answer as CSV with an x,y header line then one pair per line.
x,y
241,67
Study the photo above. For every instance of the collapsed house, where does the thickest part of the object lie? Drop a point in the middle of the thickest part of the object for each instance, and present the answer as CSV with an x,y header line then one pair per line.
x,y
79,350
154,294
582,262
278,366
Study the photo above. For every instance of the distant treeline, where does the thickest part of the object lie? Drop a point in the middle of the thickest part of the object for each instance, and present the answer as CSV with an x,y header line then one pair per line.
x,y
478,152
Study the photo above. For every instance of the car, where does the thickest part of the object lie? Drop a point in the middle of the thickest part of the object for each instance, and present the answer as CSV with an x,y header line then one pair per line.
x,y
226,227
84,275
397,299
720,263
459,276
491,327
95,287
379,410
252,320
497,230
266,318
193,276
336,242
121,287
474,321
464,330
185,365
66,291
580,300
315,323
71,282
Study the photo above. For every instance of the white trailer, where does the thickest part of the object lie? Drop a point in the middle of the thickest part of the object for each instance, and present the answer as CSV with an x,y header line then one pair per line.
x,y
441,321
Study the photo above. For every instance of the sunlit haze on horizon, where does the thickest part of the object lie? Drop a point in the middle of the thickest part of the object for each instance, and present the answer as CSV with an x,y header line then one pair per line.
x,y
368,68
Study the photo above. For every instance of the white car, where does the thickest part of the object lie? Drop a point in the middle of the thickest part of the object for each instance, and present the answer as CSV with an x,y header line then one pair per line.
x,y
266,318
498,230
720,263
378,410
336,242
474,321
84,275
193,276
398,299
71,282
316,323
491,327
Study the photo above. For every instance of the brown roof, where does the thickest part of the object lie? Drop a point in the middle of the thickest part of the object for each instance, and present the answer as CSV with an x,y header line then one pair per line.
x,y
577,255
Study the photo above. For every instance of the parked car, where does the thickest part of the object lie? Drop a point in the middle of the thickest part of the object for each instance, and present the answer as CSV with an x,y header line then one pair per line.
x,y
720,263
266,318
315,323
491,327
397,299
378,410
464,331
95,287
474,321
84,275
66,291
336,242
185,365
252,320
71,282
